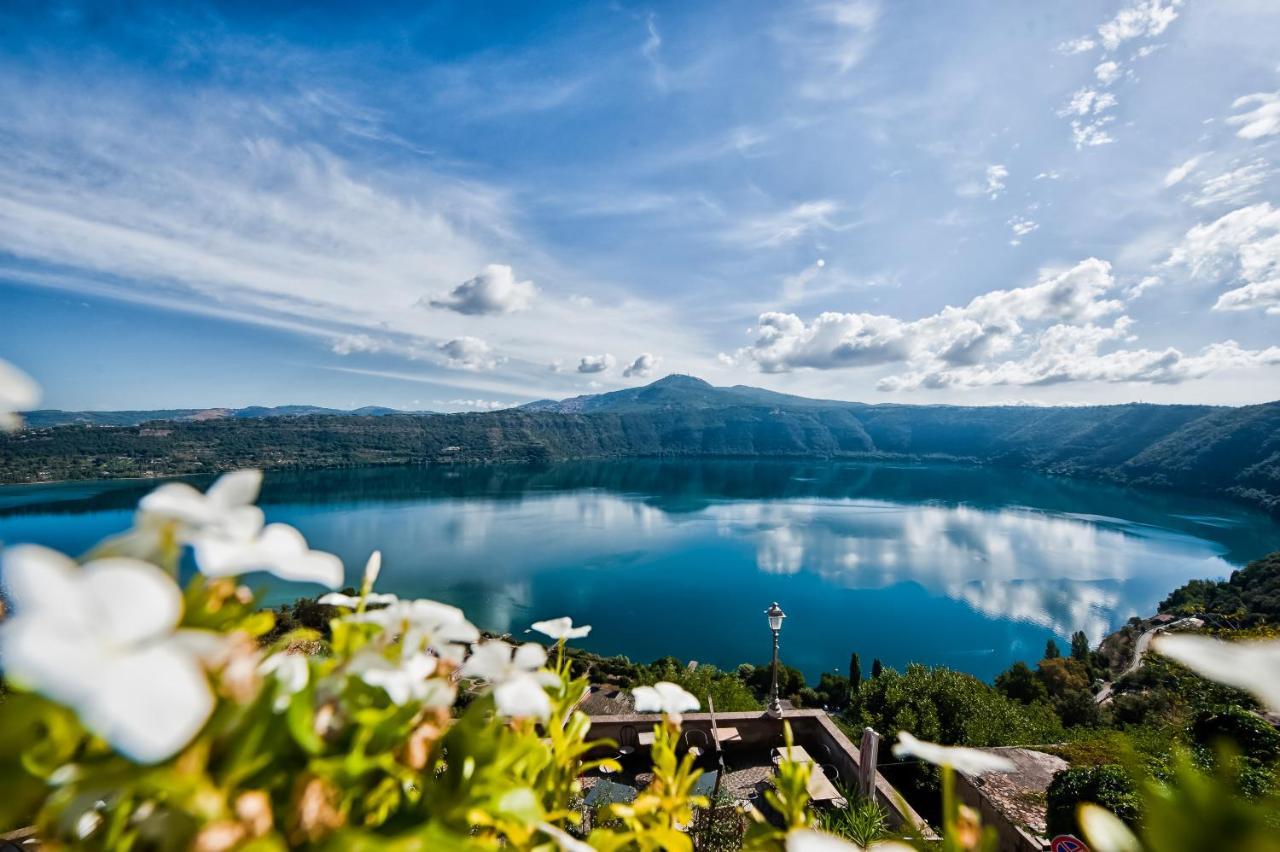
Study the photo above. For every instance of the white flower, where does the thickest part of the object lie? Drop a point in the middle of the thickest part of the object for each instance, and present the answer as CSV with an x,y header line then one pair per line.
x,y
372,569
1251,666
664,697
425,625
516,675
566,841
280,549
807,840
291,672
561,628
353,601
101,639
970,761
226,531
1105,831
410,680
17,393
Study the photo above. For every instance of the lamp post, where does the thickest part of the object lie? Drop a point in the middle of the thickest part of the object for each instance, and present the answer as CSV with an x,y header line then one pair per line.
x,y
775,615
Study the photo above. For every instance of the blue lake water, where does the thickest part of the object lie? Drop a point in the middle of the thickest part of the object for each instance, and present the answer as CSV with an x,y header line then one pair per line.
x,y
969,568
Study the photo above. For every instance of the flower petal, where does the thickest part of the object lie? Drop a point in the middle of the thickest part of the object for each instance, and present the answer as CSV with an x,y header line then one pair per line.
x,y
18,392
970,761
238,488
1105,831
280,549
522,697
179,501
1251,666
50,657
132,600
149,704
556,628
44,579
530,657
488,661
804,840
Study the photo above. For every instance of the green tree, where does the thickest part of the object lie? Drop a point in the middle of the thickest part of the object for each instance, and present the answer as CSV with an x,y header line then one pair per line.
x,y
952,708
1051,651
1109,786
1020,683
1080,646
876,668
855,672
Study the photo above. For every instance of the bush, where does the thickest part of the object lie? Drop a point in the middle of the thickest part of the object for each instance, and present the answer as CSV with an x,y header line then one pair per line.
x,y
1108,786
727,692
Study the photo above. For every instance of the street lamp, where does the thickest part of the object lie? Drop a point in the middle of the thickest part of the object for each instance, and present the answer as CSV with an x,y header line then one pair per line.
x,y
775,615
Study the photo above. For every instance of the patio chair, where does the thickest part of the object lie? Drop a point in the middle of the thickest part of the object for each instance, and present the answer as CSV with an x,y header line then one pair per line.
x,y
697,743
628,741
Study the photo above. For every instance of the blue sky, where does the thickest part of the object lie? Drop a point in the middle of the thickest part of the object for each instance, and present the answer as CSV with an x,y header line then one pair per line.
x,y
462,205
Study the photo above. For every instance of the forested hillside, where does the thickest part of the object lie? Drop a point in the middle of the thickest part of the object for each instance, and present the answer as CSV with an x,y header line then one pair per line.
x,y
1226,451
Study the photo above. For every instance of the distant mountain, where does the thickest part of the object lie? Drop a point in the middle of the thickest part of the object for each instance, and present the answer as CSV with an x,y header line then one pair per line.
x,y
47,417
675,392
1204,449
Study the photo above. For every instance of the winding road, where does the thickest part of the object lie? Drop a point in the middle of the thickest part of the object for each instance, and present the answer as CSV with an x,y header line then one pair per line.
x,y
1139,650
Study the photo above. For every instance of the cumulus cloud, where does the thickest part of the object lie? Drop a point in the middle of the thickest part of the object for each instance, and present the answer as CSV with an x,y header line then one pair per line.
x,y
1263,119
494,290
996,175
1234,186
596,363
643,367
1178,174
1069,353
1143,19
1051,332
469,353
1241,248
989,325
1107,72
350,343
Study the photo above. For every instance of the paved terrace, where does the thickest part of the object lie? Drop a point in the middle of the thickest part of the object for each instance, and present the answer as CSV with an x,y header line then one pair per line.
x,y
748,758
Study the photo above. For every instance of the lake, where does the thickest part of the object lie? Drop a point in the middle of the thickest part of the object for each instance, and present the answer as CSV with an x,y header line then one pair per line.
x,y
966,567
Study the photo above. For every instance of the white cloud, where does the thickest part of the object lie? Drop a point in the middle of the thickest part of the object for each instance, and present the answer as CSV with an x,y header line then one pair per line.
x,y
996,175
1084,44
643,367
1177,174
494,290
1067,353
793,286
1241,248
1086,101
1142,19
349,343
1107,72
1088,134
1088,125
988,325
1044,334
1021,226
1235,186
469,353
596,363
1262,120
478,404
787,225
